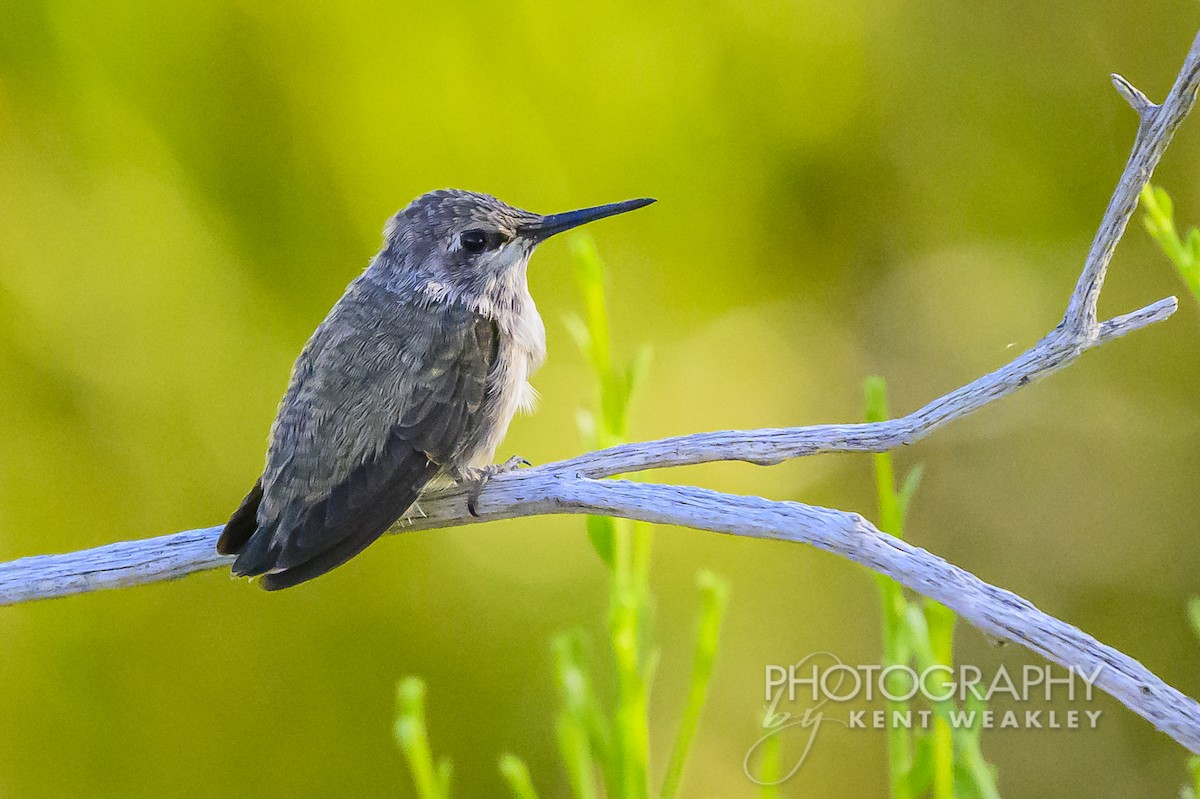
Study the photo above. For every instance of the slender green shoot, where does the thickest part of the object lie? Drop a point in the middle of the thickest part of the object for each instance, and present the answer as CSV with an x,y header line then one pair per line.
x,y
1184,253
622,748
714,596
584,736
516,775
1159,221
413,739
622,544
893,605
946,761
769,768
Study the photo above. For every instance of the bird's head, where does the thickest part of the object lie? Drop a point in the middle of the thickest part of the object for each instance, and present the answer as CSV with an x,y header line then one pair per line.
x,y
473,241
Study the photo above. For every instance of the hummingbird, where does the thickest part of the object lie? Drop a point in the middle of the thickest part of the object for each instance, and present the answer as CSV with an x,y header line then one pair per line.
x,y
412,377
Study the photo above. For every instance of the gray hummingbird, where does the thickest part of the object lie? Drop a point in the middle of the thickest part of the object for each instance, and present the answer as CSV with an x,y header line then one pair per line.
x,y
415,374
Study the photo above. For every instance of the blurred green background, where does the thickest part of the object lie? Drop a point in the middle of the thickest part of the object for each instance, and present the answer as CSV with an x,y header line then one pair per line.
x,y
846,188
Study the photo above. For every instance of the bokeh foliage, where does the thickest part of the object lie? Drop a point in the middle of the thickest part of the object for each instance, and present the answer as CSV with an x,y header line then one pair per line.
x,y
846,188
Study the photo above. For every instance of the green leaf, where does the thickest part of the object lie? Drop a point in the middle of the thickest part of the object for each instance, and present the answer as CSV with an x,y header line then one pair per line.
x,y
638,368
591,282
1193,244
974,706
583,731
875,388
1193,611
1160,224
920,775
579,333
576,754
413,739
912,481
613,406
768,769
940,621
600,533
516,774
1163,201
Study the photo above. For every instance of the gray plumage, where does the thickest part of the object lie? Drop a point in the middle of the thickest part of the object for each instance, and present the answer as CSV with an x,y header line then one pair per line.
x,y
416,372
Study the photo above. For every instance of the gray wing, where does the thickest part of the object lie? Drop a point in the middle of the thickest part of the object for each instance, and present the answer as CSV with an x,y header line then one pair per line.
x,y
380,400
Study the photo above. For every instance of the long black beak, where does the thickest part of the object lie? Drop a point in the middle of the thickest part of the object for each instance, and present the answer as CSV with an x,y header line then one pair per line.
x,y
547,226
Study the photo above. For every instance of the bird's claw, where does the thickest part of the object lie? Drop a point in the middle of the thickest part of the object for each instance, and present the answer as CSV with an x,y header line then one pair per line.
x,y
475,479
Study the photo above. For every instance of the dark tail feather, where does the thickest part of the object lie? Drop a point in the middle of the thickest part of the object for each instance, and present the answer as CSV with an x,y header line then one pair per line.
x,y
242,524
363,522
256,556
328,560
358,510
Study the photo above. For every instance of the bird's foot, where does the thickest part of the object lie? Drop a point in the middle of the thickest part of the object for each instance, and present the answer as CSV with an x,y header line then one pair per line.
x,y
475,478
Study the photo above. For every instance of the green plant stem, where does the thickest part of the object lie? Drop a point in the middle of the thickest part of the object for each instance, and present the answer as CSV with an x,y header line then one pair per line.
x,y
899,738
923,632
413,739
625,547
583,734
939,622
516,775
769,770
942,736
893,605
981,773
714,596
1159,221
631,735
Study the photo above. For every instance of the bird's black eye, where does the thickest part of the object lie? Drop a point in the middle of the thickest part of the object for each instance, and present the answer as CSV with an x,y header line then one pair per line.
x,y
474,241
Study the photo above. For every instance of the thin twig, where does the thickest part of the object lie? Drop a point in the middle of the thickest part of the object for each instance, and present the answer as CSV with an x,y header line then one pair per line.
x,y
1156,129
570,486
